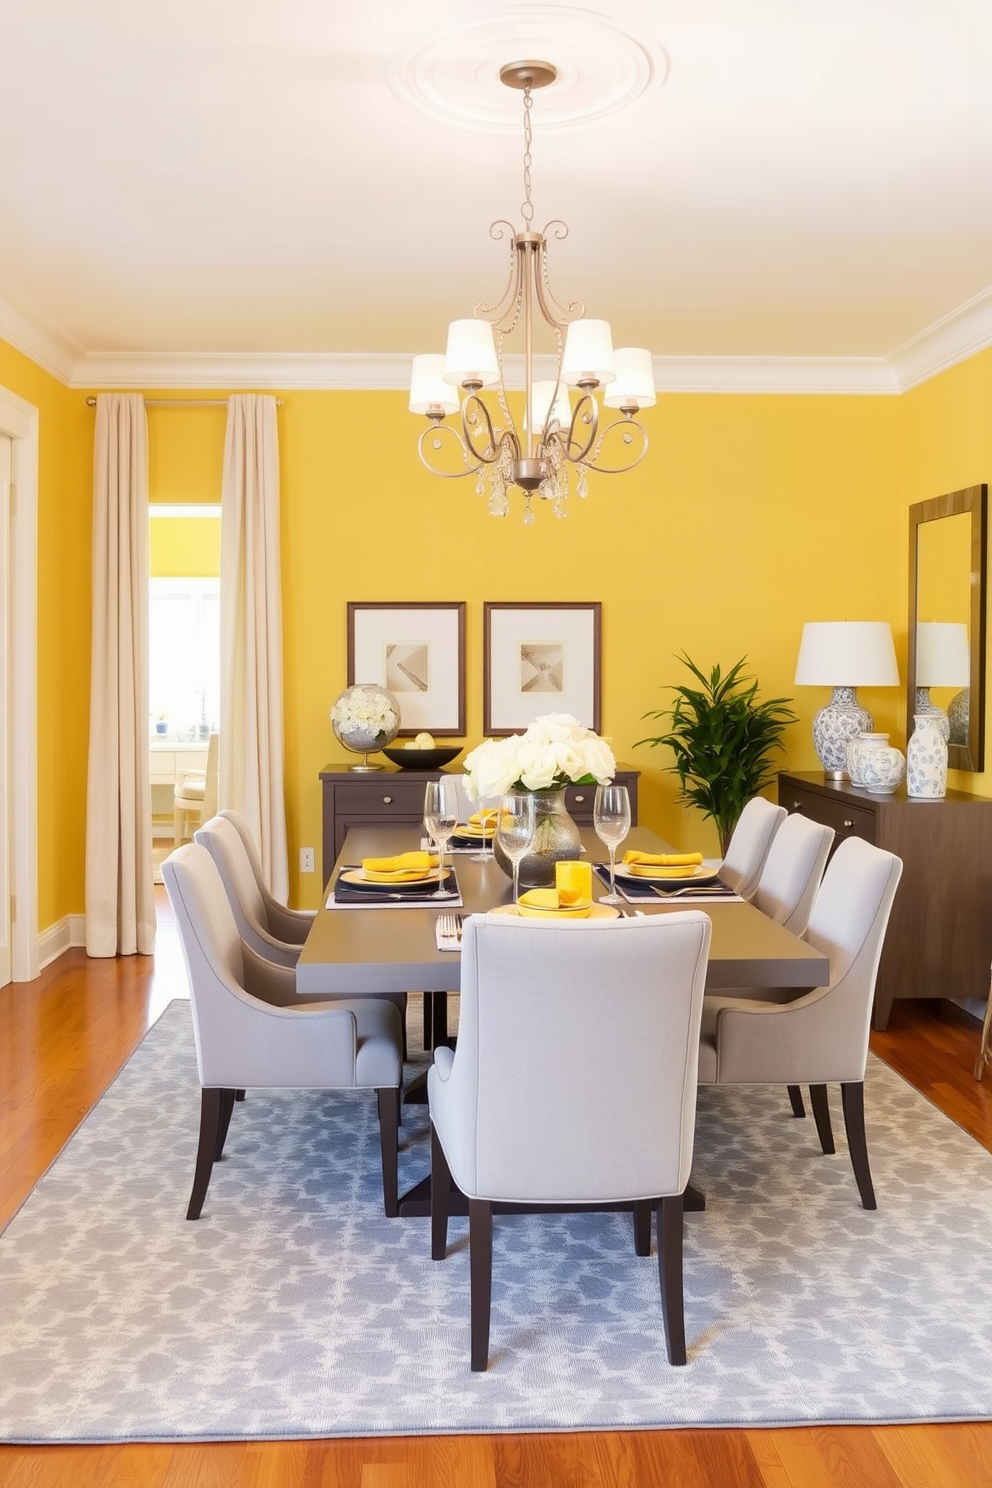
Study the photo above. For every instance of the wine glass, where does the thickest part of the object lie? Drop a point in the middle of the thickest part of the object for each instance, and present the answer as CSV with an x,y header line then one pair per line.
x,y
515,827
611,819
440,820
485,849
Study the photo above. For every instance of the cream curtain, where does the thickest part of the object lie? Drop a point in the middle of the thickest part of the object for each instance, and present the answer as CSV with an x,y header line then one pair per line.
x,y
120,904
251,734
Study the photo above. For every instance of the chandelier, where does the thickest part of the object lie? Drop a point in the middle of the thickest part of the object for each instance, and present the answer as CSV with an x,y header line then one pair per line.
x,y
555,435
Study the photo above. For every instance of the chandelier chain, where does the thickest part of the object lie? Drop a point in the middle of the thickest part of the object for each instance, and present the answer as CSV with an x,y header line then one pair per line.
x,y
527,206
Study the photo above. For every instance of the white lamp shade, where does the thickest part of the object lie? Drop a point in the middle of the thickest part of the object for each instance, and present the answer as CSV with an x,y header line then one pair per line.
x,y
428,389
588,355
471,354
847,653
540,401
943,658
634,385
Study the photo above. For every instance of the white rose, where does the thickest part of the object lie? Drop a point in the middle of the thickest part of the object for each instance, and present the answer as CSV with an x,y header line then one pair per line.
x,y
599,759
491,768
538,765
554,728
571,759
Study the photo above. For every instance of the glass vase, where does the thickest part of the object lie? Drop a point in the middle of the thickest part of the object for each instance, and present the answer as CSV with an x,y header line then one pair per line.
x,y
556,839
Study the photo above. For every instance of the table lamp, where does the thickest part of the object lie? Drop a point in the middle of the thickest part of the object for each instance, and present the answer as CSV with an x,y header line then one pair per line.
x,y
844,655
943,659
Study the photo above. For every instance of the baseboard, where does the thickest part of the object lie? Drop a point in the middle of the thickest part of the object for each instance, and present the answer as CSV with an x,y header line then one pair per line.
x,y
67,932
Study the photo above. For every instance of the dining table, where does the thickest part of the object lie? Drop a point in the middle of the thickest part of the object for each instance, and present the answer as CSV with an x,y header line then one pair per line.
x,y
366,950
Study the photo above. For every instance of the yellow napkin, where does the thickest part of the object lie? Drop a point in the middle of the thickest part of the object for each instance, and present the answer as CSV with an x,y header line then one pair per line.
x,y
408,862
663,860
486,819
568,902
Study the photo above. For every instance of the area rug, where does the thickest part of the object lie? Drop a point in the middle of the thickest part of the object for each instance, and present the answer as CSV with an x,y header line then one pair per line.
x,y
293,1308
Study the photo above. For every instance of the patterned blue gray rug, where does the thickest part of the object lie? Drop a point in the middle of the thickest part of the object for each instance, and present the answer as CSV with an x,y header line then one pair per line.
x,y
294,1309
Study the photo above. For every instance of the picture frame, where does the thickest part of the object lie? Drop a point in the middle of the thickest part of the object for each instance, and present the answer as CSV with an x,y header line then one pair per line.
x,y
417,652
540,658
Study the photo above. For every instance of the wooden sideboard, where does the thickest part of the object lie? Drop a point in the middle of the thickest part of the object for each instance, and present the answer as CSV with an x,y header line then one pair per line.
x,y
939,939
394,797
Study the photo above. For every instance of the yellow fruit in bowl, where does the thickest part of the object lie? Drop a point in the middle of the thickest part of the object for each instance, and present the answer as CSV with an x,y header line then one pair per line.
x,y
411,744
424,741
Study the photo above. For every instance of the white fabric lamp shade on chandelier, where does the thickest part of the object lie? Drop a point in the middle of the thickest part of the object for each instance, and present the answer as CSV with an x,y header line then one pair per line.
x,y
844,655
943,659
556,435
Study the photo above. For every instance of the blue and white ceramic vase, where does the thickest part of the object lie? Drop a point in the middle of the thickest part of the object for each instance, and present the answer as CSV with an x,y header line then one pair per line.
x,y
926,759
835,725
858,750
881,767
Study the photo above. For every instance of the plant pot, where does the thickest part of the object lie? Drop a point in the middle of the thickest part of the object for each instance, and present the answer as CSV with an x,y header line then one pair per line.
x,y
556,839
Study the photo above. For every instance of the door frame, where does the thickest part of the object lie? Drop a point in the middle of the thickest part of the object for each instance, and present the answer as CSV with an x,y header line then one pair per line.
x,y
19,420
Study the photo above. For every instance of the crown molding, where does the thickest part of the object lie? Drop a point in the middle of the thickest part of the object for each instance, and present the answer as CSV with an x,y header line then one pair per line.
x,y
45,347
952,338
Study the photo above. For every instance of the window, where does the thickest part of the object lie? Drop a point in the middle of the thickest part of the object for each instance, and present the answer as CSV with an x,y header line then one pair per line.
x,y
184,656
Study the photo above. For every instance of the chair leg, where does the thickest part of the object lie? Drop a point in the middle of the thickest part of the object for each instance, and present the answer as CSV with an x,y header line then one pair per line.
x,y
428,1002
389,1115
239,1095
985,1043
209,1127
440,1198
796,1101
224,1121
821,1115
480,1243
853,1098
642,1227
670,1275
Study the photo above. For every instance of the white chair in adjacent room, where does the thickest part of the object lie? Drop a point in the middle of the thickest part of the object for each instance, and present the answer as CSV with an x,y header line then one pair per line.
x,y
573,1082
253,1031
195,795
820,1038
749,844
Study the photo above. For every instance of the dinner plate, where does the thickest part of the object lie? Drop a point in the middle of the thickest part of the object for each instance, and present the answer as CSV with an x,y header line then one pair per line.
x,y
598,912
358,878
670,877
467,830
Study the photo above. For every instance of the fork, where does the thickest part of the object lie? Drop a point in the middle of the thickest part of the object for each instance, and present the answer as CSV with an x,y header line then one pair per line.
x,y
450,926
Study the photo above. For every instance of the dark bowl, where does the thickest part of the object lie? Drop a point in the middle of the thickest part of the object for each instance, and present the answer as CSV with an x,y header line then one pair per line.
x,y
422,759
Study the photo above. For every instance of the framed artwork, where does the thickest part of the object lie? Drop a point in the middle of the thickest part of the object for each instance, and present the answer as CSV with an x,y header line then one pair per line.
x,y
417,652
540,658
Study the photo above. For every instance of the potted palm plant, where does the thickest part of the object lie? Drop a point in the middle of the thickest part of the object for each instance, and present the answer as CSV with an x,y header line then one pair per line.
x,y
723,736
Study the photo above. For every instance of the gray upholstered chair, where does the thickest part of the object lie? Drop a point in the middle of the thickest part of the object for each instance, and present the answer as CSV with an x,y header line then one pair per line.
x,y
792,871
749,844
259,918
252,1030
274,932
289,925
820,1038
573,1082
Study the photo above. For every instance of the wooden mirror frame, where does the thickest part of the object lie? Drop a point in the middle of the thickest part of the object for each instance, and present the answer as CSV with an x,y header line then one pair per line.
x,y
972,500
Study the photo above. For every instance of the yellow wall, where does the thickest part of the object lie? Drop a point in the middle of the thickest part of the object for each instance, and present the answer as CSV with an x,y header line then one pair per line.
x,y
65,433
749,516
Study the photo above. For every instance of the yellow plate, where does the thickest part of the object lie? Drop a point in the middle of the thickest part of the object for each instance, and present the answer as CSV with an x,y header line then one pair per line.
x,y
595,912
654,872
399,876
465,829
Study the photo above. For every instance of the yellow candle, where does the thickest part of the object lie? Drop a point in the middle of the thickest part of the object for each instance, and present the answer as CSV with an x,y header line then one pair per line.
x,y
576,877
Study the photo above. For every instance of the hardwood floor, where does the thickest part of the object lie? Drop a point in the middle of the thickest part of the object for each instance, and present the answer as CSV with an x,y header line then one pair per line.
x,y
65,1036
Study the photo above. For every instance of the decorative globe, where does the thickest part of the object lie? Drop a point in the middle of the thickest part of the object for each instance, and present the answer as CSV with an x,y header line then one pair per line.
x,y
365,718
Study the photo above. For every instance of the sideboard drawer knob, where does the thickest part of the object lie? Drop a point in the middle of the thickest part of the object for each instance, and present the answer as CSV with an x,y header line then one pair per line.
x,y
848,825
387,800
797,805
579,800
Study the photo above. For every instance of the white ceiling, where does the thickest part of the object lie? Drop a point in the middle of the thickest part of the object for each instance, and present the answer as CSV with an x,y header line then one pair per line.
x,y
315,179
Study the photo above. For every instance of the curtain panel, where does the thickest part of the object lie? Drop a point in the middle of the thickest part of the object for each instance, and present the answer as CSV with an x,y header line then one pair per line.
x,y
251,720
120,904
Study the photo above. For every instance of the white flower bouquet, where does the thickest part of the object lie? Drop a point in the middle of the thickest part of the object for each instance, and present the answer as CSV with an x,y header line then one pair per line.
x,y
555,751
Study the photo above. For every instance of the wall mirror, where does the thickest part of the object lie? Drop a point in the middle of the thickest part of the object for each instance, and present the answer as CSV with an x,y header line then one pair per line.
x,y
947,556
